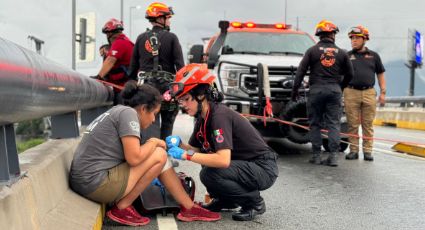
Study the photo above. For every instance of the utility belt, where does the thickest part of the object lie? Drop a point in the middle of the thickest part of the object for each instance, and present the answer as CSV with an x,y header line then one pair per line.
x,y
359,87
160,80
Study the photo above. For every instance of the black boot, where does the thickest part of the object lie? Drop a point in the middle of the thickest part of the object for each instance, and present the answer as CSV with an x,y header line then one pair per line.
x,y
367,156
332,160
216,205
352,156
249,213
315,159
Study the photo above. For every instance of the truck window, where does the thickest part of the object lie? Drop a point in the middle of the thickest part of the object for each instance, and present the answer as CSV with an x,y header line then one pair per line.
x,y
267,43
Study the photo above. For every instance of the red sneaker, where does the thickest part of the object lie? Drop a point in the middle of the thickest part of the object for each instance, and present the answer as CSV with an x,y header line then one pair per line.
x,y
127,216
197,213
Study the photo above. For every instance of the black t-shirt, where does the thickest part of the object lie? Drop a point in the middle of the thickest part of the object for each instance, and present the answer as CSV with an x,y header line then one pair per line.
x,y
227,129
170,52
327,64
366,64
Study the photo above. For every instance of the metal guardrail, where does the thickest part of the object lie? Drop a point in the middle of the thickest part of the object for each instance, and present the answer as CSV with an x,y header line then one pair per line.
x,y
407,101
32,87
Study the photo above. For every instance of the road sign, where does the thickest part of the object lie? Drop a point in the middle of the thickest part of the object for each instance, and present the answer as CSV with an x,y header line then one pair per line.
x,y
418,48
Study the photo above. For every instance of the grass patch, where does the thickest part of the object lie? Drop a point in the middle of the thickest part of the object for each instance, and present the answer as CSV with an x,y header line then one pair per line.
x,y
22,146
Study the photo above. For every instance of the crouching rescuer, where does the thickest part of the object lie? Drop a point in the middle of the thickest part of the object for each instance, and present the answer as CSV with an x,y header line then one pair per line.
x,y
237,163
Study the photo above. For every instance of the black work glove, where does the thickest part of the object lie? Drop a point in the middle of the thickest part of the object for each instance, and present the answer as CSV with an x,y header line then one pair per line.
x,y
294,95
96,77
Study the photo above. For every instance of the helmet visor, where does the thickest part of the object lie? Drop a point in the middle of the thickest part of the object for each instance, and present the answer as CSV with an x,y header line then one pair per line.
x,y
356,31
177,88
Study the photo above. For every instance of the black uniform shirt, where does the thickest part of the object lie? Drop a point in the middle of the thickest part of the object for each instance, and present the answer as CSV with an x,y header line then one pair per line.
x,y
365,65
170,52
327,63
227,129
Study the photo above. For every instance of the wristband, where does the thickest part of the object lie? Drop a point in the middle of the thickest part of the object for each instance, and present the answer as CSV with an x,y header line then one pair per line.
x,y
189,154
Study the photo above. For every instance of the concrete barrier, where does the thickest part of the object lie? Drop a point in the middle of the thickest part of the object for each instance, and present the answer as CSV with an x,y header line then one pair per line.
x,y
411,118
42,198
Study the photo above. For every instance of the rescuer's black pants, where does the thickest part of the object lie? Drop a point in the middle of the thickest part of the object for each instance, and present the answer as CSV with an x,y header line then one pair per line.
x,y
324,111
242,181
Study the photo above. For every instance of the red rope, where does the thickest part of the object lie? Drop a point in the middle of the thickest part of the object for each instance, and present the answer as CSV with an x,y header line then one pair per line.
x,y
324,130
111,84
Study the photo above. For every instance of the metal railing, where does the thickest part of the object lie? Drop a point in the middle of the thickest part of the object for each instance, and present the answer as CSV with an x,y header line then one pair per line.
x,y
32,87
405,101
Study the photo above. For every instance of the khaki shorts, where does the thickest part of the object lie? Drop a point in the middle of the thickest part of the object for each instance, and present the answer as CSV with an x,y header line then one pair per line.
x,y
113,186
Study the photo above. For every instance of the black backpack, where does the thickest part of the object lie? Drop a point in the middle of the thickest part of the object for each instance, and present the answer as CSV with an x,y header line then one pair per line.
x,y
156,198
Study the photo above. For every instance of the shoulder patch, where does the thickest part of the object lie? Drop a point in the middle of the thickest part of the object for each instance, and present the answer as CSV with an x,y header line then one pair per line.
x,y
135,126
218,132
148,46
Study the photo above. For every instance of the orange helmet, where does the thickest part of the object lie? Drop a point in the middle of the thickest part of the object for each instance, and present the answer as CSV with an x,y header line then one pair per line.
x,y
189,77
158,9
113,25
326,26
359,31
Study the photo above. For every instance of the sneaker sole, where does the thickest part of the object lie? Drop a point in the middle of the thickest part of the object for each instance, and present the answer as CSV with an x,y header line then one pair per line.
x,y
355,158
121,221
197,218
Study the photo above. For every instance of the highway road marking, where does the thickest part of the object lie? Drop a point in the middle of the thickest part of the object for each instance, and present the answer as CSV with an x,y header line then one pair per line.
x,y
383,144
166,222
397,154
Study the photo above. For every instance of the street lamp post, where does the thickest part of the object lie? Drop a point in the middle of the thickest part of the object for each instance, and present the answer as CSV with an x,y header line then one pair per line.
x,y
131,18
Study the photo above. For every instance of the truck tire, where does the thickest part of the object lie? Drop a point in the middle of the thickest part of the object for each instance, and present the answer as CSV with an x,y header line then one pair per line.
x,y
343,145
196,54
296,112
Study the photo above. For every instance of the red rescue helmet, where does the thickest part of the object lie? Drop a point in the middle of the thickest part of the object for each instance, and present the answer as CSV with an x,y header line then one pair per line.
x,y
189,77
359,31
158,9
112,25
326,26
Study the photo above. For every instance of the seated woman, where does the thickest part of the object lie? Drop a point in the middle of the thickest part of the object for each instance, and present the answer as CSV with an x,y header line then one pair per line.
x,y
238,164
110,165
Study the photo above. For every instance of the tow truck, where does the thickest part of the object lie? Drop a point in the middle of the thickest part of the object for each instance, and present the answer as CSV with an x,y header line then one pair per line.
x,y
255,65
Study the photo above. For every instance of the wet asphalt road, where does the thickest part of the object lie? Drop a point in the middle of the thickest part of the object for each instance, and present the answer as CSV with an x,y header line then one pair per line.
x,y
388,193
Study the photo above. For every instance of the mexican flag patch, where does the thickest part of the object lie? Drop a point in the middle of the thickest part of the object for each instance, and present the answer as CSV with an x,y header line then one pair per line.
x,y
218,132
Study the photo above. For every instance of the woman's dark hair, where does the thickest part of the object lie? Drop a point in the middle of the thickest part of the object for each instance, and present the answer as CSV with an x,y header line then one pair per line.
x,y
133,95
211,92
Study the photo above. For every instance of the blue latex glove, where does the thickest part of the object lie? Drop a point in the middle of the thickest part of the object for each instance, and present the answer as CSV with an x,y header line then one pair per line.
x,y
156,182
175,152
172,141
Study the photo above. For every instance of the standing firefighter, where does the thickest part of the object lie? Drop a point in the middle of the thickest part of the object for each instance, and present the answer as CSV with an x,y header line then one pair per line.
x,y
157,56
327,64
360,95
116,64
237,163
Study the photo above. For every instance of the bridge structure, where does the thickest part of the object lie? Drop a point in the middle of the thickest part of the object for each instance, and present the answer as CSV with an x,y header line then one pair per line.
x,y
34,190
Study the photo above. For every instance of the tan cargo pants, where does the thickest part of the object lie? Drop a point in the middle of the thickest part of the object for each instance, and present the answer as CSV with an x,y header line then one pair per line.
x,y
360,108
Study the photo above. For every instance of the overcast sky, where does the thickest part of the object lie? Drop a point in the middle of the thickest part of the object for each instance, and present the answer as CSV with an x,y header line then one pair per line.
x,y
388,20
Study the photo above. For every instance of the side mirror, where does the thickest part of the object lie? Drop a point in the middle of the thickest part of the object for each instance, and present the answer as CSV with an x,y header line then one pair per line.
x,y
227,50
